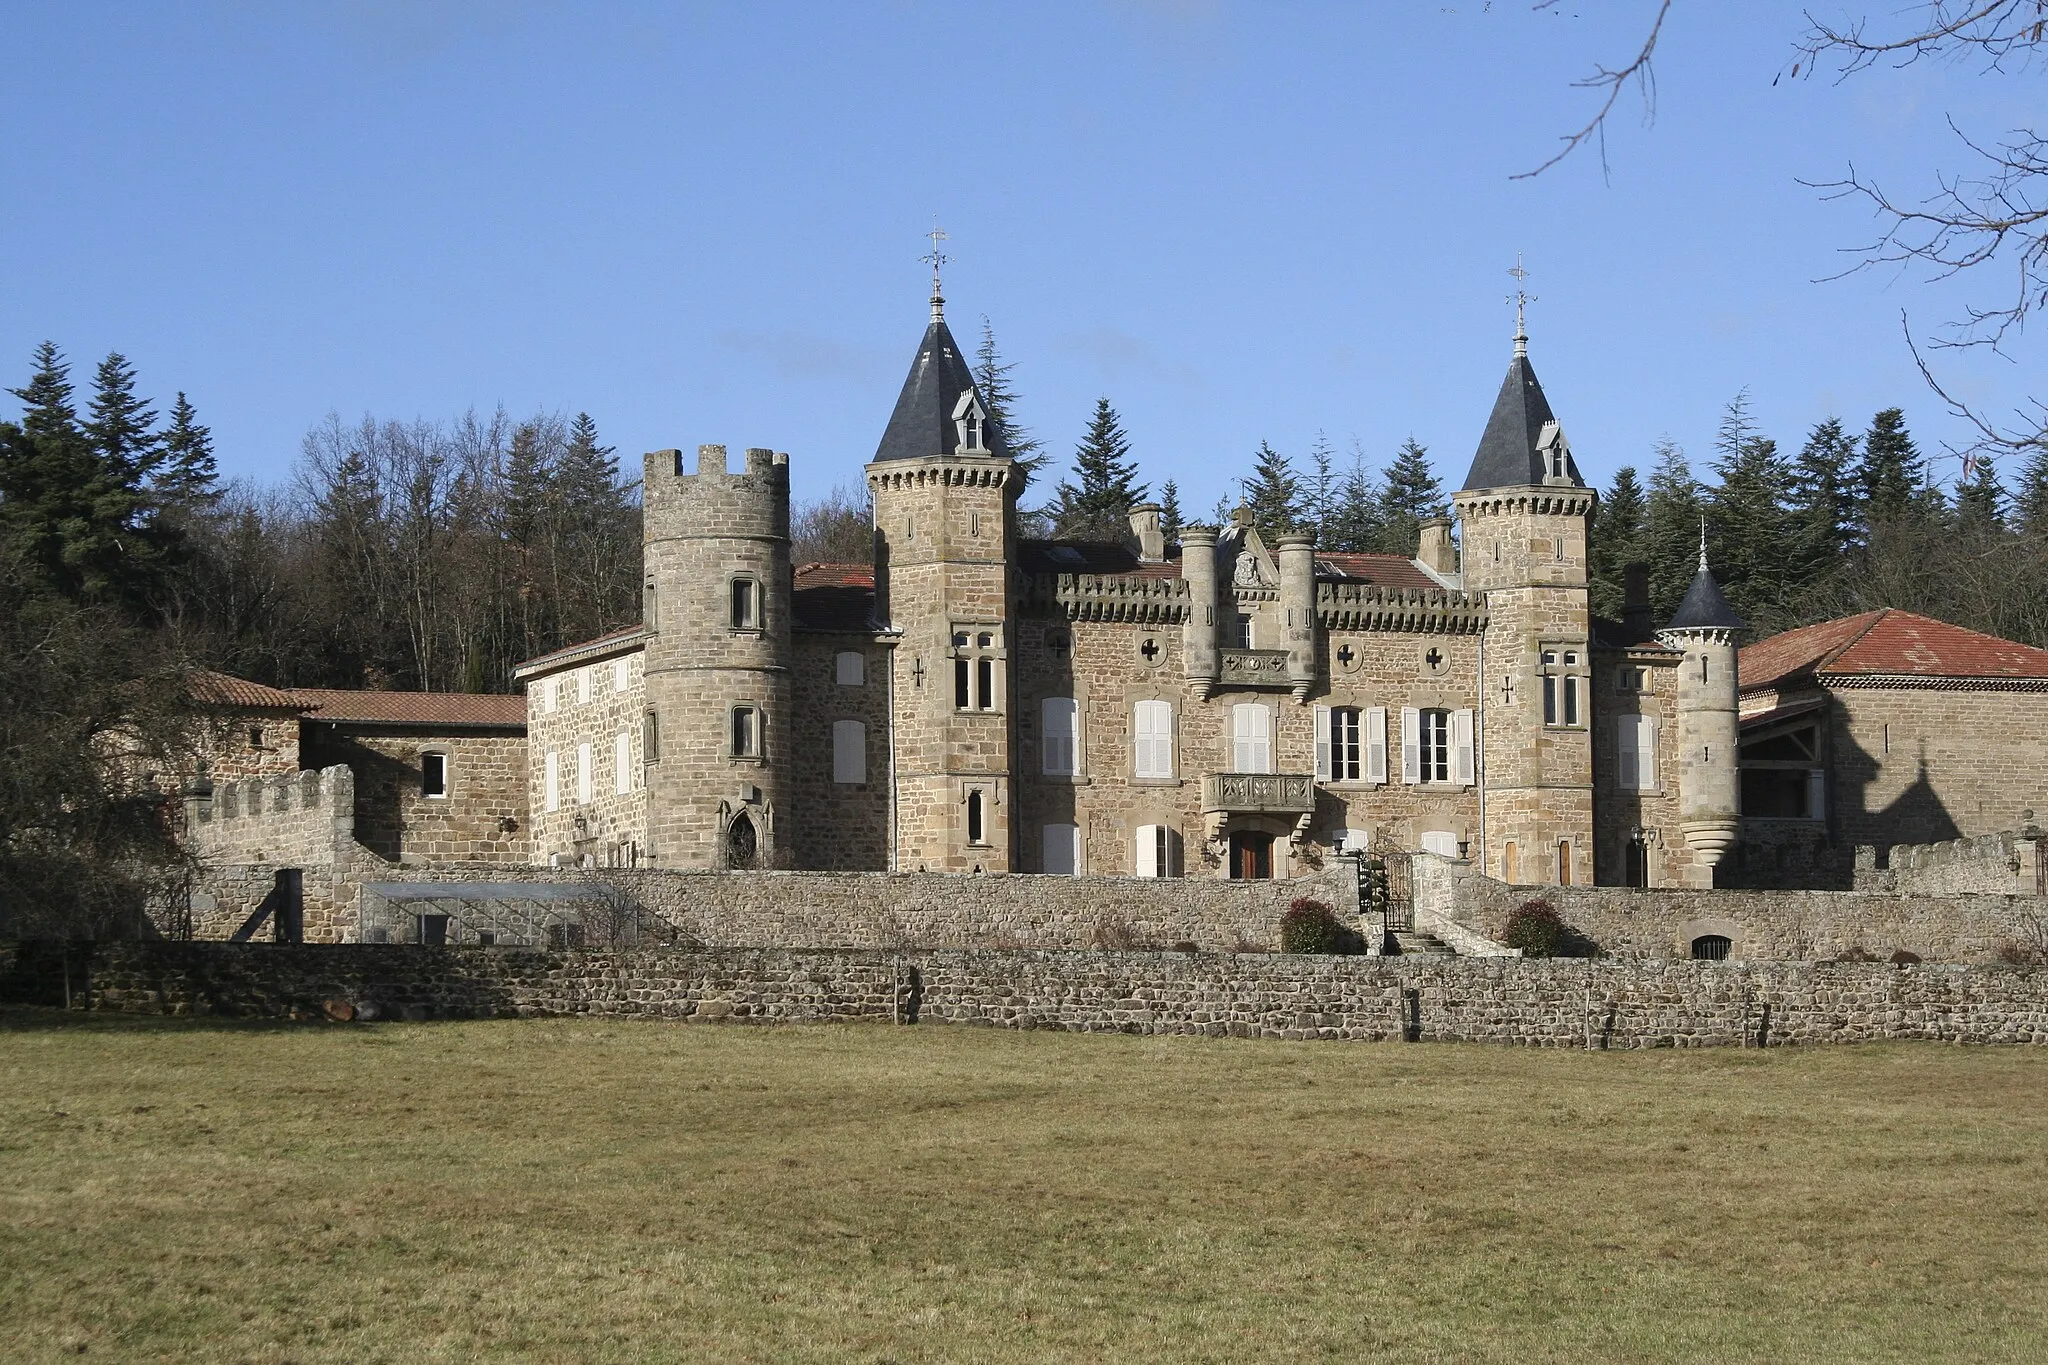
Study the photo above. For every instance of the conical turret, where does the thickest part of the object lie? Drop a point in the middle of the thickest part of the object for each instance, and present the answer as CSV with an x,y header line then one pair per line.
x,y
1704,628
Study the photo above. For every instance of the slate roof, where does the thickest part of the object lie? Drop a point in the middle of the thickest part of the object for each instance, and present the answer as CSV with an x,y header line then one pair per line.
x,y
1703,607
1886,642
607,643
1092,557
462,710
922,424
834,597
1507,455
225,689
1613,634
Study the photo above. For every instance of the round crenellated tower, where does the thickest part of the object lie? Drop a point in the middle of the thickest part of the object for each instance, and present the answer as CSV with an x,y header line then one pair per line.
x,y
1705,628
718,608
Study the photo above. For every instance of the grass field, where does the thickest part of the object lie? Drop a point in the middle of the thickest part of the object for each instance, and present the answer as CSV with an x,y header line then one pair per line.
x,y
564,1191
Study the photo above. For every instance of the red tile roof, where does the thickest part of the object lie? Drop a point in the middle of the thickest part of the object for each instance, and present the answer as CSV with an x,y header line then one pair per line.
x,y
1393,571
463,709
1887,642
224,689
839,597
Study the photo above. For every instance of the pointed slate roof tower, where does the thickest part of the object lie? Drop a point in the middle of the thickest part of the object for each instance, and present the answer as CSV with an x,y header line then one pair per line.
x,y
1523,443
938,396
1703,607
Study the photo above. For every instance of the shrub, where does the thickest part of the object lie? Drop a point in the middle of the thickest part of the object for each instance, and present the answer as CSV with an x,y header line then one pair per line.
x,y
1902,958
1115,934
1535,928
2013,953
1310,926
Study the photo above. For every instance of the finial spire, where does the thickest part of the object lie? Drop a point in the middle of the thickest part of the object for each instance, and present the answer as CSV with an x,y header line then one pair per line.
x,y
1703,543
1521,298
935,258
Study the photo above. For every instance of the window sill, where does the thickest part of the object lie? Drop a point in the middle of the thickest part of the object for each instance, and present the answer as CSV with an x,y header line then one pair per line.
x,y
1156,781
750,760
1065,779
1350,784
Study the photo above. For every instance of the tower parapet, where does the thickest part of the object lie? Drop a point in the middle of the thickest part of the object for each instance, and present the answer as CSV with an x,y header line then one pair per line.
x,y
718,658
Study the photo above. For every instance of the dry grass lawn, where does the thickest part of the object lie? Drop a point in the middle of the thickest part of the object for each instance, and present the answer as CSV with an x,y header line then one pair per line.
x,y
567,1191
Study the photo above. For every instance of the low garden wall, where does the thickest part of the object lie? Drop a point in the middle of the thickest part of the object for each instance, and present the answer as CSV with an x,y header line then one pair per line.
x,y
1661,922
1555,1003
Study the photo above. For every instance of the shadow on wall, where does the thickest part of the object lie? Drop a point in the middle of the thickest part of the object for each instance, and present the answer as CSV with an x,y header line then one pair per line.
x,y
381,783
1820,855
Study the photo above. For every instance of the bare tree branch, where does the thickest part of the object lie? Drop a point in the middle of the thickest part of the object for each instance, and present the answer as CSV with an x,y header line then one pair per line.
x,y
1612,80
1994,29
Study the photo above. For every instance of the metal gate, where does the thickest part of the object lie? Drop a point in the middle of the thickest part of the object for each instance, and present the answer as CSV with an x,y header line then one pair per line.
x,y
1386,889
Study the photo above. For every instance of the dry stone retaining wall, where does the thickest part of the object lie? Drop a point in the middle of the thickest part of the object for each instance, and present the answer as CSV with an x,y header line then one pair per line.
x,y
1573,1004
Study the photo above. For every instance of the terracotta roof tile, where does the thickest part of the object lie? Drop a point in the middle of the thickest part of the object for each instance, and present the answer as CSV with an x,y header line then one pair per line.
x,y
414,708
1887,642
224,689
834,576
836,597
1392,571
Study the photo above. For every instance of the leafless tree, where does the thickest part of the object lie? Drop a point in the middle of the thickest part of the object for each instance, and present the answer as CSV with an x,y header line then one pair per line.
x,y
836,529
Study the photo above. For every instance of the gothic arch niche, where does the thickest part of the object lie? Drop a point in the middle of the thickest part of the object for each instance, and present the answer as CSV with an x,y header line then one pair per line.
x,y
746,835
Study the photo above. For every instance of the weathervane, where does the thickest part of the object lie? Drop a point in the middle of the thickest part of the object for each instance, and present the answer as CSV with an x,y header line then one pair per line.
x,y
936,259
1521,298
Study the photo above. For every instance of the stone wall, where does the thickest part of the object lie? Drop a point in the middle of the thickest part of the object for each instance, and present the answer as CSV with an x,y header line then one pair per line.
x,y
251,829
937,910
578,712
1792,926
1568,1004
2009,863
482,817
839,826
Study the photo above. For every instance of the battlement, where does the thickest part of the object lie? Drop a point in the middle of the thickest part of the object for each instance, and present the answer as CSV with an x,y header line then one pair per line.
x,y
298,818
716,500
1372,606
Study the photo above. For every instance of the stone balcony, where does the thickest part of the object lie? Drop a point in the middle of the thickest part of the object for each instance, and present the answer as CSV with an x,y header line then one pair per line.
x,y
1253,668
1288,794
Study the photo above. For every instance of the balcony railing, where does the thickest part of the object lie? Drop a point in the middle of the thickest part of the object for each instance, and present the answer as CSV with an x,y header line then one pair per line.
x,y
1254,668
1258,793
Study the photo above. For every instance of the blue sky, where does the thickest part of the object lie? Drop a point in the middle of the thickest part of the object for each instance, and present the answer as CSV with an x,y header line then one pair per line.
x,y
1238,221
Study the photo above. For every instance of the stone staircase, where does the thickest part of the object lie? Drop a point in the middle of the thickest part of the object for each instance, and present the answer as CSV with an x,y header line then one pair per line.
x,y
1413,943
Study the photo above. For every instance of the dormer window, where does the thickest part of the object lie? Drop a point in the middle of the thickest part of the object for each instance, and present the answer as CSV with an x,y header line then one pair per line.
x,y
970,422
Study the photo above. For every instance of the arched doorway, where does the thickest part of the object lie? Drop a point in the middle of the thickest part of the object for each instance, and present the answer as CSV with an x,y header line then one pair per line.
x,y
741,846
1251,856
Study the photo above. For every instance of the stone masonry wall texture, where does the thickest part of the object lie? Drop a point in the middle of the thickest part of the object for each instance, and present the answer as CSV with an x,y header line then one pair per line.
x,y
1566,1004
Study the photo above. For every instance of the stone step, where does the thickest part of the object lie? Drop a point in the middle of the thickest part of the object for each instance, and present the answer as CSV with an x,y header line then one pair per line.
x,y
1410,943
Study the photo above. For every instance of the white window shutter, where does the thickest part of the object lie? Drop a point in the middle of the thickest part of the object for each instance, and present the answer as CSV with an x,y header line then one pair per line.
x,y
1627,747
1251,726
1411,745
583,770
583,685
1816,794
1461,747
1148,851
1152,739
849,751
619,676
1322,744
1061,844
1376,744
1646,754
553,781
622,764
1057,716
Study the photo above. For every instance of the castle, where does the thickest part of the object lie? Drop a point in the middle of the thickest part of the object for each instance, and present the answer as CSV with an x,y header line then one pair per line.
x,y
1223,707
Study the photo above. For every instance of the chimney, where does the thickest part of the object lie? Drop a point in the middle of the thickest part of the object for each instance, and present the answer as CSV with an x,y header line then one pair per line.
x,y
1145,526
1436,548
1635,598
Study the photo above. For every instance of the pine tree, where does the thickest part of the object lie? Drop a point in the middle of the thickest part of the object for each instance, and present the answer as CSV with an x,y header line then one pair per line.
x,y
1353,521
1980,502
1823,499
1751,535
992,377
1273,493
1410,493
596,519
1671,528
1169,511
122,426
1319,493
1892,471
46,400
189,476
1098,505
1615,541
2030,499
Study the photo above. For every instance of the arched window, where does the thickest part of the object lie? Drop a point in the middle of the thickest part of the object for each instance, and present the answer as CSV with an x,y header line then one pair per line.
x,y
975,820
1711,948
741,847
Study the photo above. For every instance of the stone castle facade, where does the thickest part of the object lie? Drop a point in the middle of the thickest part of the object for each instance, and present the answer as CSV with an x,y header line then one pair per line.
x,y
982,702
